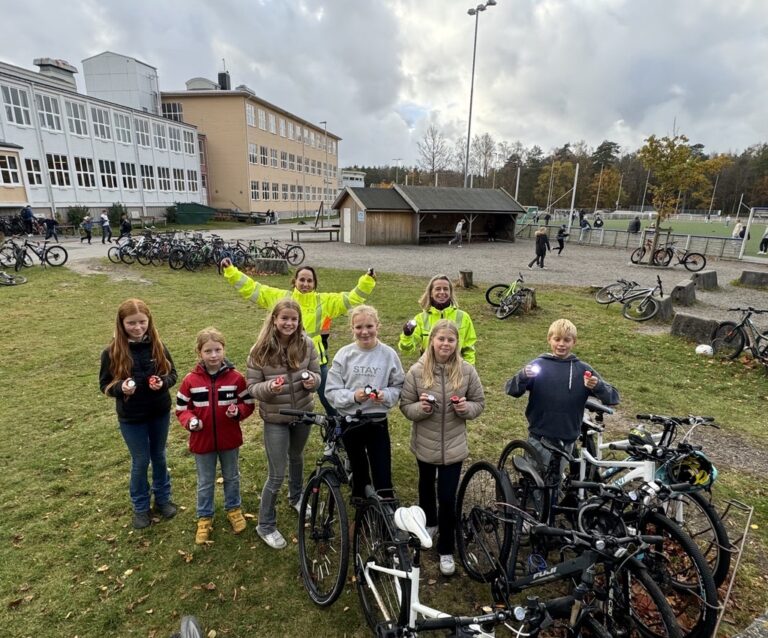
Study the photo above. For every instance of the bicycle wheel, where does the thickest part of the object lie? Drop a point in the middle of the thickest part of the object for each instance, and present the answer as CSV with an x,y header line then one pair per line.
x,y
495,294
640,309
681,571
323,540
12,280
239,258
728,340
694,261
524,488
268,252
383,597
113,254
699,519
194,261
156,258
7,257
56,256
144,258
610,293
176,258
509,305
126,256
294,255
662,257
637,255
483,538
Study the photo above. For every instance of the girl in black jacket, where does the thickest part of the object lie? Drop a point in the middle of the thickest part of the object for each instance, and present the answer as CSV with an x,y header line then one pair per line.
x,y
542,246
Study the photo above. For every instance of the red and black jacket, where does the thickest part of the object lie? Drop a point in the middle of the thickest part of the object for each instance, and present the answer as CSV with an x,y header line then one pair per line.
x,y
207,397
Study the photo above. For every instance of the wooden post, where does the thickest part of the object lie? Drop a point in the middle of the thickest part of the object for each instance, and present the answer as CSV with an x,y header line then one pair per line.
x,y
465,279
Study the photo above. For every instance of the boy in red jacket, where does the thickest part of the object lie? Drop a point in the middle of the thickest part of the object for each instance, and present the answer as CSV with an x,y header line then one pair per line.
x,y
210,403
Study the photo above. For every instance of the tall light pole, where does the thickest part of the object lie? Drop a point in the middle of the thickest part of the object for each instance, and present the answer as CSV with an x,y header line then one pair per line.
x,y
397,161
325,168
475,11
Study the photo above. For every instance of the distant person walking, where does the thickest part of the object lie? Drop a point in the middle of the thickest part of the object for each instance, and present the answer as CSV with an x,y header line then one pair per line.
x,y
87,226
561,235
26,218
763,249
736,233
459,230
727,221
542,246
106,230
125,227
50,228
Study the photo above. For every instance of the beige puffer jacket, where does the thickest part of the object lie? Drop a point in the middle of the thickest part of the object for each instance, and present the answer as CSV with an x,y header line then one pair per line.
x,y
292,394
441,436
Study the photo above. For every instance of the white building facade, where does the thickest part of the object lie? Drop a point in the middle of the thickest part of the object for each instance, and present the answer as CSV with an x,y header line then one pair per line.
x,y
123,80
77,150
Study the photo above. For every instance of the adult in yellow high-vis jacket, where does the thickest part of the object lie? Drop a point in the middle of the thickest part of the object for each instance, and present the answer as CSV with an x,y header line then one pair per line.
x,y
316,307
438,302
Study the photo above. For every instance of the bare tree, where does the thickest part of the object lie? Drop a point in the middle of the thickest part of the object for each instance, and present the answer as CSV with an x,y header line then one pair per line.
x,y
458,156
481,160
434,151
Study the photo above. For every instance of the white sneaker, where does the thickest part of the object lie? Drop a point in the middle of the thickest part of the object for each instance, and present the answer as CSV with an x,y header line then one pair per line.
x,y
447,566
297,507
274,539
432,531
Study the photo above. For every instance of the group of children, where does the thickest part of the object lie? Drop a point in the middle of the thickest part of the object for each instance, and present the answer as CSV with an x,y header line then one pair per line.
x,y
288,364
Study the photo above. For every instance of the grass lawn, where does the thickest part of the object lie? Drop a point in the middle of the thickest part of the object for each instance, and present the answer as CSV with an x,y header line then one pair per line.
x,y
70,562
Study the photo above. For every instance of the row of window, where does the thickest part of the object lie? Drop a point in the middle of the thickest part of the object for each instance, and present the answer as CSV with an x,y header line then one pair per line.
x,y
85,174
269,122
102,121
288,161
289,192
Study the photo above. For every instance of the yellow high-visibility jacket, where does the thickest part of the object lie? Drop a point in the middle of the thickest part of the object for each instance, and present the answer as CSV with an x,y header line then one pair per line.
x,y
315,306
419,340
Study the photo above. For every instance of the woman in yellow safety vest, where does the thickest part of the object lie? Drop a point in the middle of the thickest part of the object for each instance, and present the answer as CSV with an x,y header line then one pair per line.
x,y
438,302
316,307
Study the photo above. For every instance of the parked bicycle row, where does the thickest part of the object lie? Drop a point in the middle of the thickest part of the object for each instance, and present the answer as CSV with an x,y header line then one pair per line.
x,y
664,254
21,252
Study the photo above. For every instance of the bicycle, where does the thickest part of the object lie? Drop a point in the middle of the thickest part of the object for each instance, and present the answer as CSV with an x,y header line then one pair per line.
x,y
7,279
639,253
48,255
507,298
729,338
292,253
691,260
640,304
616,291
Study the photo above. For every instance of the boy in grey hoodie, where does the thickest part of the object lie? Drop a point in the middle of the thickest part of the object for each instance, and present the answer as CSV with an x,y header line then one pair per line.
x,y
558,387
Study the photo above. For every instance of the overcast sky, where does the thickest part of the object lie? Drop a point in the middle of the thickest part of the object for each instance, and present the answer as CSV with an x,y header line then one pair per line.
x,y
380,71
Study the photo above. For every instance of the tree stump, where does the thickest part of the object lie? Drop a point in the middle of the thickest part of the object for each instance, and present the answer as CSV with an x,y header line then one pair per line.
x,y
465,279
529,300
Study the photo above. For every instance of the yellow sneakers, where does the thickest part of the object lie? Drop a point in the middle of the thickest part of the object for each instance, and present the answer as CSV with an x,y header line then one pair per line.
x,y
236,520
204,529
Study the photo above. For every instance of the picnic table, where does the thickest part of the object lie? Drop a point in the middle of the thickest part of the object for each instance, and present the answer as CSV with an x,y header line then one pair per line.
x,y
296,233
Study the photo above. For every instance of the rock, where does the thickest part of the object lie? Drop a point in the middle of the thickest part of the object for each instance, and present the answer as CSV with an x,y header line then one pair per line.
x,y
684,293
696,329
705,280
754,278
666,311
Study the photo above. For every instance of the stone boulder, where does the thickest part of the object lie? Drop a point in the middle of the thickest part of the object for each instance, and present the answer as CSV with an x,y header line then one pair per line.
x,y
684,293
705,280
696,329
754,278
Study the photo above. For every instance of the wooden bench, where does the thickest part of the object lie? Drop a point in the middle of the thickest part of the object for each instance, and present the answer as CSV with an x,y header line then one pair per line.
x,y
296,233
443,237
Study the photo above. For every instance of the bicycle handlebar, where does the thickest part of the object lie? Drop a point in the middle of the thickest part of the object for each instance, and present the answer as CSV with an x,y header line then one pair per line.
x,y
691,419
748,309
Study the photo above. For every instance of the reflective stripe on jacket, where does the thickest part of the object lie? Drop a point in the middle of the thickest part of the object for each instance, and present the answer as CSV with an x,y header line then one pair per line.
x,y
424,322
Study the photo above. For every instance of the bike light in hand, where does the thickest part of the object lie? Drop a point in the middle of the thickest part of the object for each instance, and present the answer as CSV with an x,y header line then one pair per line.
x,y
279,380
535,369
455,399
305,376
130,383
587,375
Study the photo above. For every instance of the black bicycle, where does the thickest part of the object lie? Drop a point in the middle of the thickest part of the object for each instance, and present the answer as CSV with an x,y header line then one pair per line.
x,y
48,255
729,338
691,260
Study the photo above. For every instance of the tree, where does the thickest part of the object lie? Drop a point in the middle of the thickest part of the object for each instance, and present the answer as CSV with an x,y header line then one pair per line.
x,y
483,148
561,176
605,154
434,151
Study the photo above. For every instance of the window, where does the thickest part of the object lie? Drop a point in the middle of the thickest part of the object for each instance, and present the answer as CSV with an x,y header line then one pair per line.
x,y
254,190
275,191
174,135
290,130
86,176
164,178
173,111
273,156
272,125
293,192
306,165
159,135
129,175
178,180
312,139
312,166
203,181
77,118
9,171
48,112
58,169
284,160
305,138
192,181
253,154
282,127
16,106
299,192
123,128
265,190
262,120
250,114
189,142
264,156
108,173
101,126
291,162
298,133
147,177
285,192
142,132
34,174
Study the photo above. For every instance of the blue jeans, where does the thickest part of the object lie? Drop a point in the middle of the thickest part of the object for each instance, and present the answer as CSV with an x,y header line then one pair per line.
x,y
206,480
147,444
284,444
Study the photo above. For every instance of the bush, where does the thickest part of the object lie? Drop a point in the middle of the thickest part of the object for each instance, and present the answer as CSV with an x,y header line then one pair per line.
x,y
170,215
75,215
115,212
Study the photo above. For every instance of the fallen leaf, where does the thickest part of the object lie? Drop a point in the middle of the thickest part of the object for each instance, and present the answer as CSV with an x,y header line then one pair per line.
x,y
431,581
127,573
102,569
212,633
209,586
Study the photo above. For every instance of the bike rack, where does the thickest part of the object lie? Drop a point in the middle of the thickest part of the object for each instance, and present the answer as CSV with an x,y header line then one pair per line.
x,y
737,547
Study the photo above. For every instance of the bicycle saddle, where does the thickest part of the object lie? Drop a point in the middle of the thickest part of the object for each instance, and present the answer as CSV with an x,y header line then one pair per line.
x,y
413,520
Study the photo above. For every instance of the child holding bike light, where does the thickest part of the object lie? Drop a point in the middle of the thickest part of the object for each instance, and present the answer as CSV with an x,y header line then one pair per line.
x,y
440,394
366,377
558,386
276,366
210,403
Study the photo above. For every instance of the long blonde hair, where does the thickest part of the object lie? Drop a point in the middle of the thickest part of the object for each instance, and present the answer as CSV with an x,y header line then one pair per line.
x,y
452,366
120,359
425,301
269,351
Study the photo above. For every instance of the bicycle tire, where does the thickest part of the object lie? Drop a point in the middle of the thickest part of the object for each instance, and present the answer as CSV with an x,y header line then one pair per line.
x,y
323,540
694,262
144,258
700,520
194,261
268,252
522,486
55,256
728,340
294,255
7,257
495,294
12,280
509,306
640,309
127,257
637,255
483,539
680,570
388,605
113,254
176,258
156,258
662,257
610,293
239,258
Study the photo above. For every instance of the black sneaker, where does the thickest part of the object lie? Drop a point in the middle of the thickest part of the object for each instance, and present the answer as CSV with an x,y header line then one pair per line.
x,y
166,510
141,520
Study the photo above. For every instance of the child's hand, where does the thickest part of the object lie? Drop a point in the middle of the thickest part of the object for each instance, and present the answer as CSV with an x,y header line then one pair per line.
x,y
155,382
276,384
532,370
307,380
590,380
128,387
232,411
459,404
427,402
195,424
